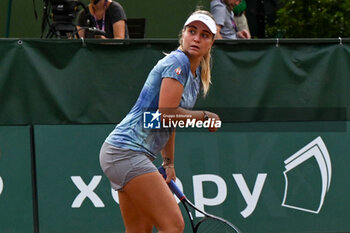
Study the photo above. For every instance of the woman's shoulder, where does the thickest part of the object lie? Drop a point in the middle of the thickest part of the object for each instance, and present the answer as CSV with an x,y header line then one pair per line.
x,y
179,56
115,5
115,12
174,60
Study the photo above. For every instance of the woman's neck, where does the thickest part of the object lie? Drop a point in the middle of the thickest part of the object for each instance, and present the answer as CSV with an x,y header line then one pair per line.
x,y
99,6
194,65
194,61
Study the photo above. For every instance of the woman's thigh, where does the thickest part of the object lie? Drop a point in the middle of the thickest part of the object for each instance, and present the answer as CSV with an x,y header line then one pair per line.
x,y
153,200
134,220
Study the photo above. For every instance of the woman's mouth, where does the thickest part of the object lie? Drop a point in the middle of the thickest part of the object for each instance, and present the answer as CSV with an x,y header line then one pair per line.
x,y
194,47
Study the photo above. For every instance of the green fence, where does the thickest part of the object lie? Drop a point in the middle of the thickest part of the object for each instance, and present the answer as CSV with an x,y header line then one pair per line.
x,y
16,188
279,163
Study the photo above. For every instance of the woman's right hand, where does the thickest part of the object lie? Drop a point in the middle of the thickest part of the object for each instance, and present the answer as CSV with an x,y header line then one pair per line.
x,y
213,118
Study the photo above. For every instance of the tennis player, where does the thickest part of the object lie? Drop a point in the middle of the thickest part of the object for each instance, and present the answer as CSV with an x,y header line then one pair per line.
x,y
126,156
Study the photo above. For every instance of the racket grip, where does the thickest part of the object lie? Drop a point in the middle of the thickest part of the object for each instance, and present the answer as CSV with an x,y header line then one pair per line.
x,y
173,187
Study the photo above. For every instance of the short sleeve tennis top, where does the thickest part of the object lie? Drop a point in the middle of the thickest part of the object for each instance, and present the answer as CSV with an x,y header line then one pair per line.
x,y
130,133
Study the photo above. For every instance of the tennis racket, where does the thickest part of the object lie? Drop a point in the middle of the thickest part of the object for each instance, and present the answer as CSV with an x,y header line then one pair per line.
x,y
209,223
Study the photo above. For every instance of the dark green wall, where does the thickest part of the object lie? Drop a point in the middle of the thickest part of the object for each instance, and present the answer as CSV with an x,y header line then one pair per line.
x,y
3,17
164,18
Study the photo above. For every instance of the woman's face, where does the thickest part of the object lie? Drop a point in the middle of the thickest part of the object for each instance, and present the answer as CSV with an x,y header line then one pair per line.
x,y
197,39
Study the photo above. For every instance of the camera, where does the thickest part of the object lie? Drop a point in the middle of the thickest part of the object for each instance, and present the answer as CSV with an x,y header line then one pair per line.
x,y
60,16
64,9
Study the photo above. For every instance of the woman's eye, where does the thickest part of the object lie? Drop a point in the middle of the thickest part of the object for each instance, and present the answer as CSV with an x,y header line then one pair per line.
x,y
192,32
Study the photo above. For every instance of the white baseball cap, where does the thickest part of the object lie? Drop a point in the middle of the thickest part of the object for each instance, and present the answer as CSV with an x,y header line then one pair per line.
x,y
206,19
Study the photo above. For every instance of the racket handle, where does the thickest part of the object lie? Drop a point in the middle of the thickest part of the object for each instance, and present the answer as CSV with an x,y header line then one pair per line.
x,y
173,187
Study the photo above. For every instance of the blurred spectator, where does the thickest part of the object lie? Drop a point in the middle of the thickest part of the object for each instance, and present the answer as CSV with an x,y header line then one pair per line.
x,y
224,17
108,16
240,17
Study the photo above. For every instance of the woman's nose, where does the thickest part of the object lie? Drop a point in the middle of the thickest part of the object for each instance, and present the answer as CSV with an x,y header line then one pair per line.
x,y
196,37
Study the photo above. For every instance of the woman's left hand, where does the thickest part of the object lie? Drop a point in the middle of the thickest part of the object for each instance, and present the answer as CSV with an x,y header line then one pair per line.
x,y
170,172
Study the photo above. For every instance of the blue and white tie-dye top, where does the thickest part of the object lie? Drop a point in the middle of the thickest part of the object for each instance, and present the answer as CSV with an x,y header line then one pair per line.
x,y
130,132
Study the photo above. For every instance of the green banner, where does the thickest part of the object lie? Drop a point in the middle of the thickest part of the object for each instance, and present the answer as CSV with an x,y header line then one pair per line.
x,y
269,181
73,194
261,181
73,81
16,195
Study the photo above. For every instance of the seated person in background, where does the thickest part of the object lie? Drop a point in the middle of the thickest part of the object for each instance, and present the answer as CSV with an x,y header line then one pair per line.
x,y
240,18
226,26
108,16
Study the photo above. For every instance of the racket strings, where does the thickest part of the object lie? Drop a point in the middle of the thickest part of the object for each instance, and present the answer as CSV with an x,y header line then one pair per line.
x,y
212,225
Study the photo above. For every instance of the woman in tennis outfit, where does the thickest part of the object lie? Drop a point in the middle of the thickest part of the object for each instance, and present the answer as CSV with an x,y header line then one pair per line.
x,y
171,90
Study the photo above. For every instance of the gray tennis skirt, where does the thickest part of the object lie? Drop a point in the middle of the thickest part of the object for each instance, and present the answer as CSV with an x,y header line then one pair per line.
x,y
122,165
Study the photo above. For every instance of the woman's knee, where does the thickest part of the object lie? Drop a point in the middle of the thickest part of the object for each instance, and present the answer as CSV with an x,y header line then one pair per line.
x,y
175,224
138,228
179,225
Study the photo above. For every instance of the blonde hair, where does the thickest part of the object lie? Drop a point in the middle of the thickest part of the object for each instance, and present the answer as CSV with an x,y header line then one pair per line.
x,y
206,62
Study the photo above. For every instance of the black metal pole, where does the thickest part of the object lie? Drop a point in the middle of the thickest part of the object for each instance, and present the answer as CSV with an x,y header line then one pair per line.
x,y
9,8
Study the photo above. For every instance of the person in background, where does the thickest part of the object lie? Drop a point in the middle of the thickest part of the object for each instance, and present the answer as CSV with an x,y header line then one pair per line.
x,y
108,16
240,18
126,156
224,17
